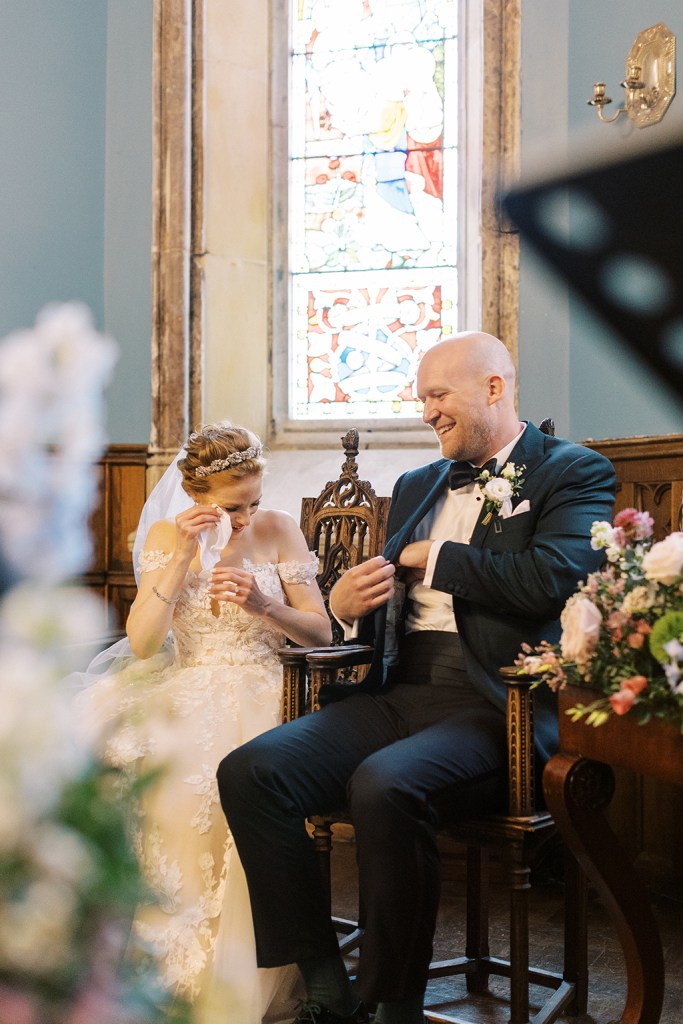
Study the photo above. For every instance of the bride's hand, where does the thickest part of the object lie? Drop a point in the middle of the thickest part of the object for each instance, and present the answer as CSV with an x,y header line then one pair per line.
x,y
237,586
190,524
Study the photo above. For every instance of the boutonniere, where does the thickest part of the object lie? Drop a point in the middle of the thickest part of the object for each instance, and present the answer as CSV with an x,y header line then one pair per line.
x,y
499,490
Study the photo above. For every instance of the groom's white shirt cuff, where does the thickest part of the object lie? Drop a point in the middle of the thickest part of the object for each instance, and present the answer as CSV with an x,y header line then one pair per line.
x,y
350,628
431,562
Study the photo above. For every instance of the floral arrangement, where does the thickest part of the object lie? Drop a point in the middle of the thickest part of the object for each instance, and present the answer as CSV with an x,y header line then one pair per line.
x,y
622,632
69,880
499,490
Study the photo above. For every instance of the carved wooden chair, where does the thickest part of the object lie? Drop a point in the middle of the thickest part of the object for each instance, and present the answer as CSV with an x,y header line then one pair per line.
x,y
346,524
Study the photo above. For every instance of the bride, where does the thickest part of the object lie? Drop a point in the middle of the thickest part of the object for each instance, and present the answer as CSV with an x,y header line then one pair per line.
x,y
221,581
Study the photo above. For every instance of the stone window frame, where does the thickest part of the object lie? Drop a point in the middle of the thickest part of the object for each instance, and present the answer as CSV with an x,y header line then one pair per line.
x,y
179,124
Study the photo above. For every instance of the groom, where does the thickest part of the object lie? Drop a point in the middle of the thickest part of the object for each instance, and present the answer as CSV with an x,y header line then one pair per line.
x,y
488,542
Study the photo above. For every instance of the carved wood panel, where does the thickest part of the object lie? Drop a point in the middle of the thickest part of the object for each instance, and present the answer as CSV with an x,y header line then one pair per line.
x,y
649,476
113,523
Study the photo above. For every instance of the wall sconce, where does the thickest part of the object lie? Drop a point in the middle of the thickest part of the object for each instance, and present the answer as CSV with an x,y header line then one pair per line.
x,y
650,81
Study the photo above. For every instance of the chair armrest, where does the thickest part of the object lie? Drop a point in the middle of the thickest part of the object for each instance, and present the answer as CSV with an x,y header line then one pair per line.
x,y
294,655
332,658
293,661
325,664
520,736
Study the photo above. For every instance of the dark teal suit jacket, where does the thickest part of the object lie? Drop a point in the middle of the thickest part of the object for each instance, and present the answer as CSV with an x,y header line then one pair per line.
x,y
510,583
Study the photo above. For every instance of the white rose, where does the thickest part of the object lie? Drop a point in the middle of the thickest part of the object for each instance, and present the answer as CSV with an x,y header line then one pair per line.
x,y
498,489
663,563
581,622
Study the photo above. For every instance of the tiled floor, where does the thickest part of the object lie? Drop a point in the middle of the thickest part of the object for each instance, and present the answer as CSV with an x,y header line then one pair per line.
x,y
607,978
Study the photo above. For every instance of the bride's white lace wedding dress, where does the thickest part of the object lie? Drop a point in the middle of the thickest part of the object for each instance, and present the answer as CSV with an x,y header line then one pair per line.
x,y
217,685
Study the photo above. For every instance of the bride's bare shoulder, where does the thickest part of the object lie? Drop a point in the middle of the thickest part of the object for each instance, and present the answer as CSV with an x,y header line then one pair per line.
x,y
276,521
161,536
283,531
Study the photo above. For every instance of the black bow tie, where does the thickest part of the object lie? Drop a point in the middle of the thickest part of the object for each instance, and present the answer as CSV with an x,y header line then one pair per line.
x,y
462,473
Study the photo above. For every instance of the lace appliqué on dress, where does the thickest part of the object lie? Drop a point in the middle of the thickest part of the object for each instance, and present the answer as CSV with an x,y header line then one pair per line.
x,y
289,572
184,938
299,572
151,560
206,788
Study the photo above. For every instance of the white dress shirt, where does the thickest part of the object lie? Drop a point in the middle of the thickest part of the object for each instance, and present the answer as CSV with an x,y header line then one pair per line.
x,y
453,517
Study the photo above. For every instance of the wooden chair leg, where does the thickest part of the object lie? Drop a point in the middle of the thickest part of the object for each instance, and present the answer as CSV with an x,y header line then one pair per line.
x,y
477,922
322,837
518,873
576,933
351,931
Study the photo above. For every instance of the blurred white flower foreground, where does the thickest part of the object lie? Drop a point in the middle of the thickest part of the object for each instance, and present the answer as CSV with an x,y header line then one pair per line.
x,y
52,381
69,881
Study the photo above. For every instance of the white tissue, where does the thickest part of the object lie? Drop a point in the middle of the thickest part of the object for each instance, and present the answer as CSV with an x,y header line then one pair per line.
x,y
213,540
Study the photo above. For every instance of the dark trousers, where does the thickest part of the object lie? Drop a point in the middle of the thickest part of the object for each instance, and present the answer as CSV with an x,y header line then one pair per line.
x,y
427,750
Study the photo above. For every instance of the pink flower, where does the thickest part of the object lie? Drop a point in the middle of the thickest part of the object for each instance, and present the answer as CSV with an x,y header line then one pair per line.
x,y
636,684
634,525
615,624
622,701
619,538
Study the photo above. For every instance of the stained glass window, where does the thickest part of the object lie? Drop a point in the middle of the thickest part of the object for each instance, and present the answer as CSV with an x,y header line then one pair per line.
x,y
373,201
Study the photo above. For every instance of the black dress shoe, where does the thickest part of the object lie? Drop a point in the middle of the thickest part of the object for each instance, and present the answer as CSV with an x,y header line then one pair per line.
x,y
314,1013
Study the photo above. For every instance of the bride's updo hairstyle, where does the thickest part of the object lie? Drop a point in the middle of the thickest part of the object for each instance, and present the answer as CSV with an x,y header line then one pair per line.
x,y
219,448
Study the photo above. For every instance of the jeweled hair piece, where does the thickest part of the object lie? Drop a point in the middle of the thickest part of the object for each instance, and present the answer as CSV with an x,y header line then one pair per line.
x,y
232,460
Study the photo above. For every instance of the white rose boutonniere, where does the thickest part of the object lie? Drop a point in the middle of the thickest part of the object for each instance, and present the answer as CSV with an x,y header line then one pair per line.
x,y
499,490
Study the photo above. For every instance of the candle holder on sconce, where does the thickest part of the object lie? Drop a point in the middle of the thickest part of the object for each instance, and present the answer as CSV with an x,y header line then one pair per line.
x,y
650,81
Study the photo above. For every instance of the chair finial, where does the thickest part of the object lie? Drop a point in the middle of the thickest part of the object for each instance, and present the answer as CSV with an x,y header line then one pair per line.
x,y
350,442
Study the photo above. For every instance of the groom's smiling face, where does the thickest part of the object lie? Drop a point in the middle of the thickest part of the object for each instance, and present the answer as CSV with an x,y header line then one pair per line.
x,y
456,405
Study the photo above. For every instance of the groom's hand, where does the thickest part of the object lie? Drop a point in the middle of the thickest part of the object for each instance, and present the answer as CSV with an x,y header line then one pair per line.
x,y
414,556
362,589
412,562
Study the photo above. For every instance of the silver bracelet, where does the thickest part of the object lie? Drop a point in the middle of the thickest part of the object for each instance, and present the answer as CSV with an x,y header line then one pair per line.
x,y
161,597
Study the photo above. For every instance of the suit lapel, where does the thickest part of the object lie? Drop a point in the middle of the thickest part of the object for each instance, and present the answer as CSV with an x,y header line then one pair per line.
x,y
426,492
433,487
529,452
